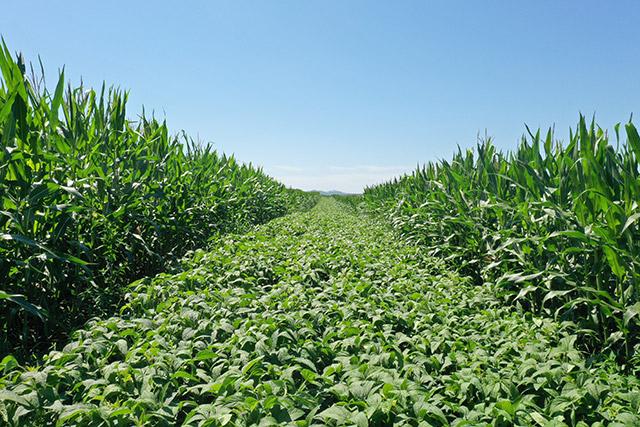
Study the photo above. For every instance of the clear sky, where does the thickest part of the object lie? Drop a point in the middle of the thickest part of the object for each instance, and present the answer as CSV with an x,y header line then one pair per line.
x,y
342,94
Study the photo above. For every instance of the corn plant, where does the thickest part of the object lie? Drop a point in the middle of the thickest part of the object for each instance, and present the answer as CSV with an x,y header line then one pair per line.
x,y
553,226
90,201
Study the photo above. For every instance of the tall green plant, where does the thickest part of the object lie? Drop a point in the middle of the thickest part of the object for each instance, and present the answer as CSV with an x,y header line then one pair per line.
x,y
90,201
554,226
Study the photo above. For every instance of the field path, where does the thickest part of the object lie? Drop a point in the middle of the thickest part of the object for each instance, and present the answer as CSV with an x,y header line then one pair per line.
x,y
324,317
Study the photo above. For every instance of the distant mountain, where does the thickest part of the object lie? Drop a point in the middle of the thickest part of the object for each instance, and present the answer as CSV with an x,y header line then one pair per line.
x,y
334,193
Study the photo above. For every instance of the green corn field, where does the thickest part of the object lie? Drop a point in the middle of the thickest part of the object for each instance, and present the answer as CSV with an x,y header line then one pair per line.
x,y
147,279
92,201
553,227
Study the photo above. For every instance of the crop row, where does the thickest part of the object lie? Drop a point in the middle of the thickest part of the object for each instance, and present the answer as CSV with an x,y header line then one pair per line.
x,y
553,226
90,201
318,318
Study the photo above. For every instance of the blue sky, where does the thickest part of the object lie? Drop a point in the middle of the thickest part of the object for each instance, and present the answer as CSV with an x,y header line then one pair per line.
x,y
343,94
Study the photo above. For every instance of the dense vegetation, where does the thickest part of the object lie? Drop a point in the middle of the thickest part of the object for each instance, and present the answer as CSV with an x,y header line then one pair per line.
x,y
318,318
512,300
554,227
90,201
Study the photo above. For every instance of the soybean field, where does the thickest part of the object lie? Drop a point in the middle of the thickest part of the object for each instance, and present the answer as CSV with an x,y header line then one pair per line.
x,y
319,318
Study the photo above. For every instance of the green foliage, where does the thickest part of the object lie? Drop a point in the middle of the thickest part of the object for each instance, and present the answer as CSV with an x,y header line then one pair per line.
x,y
322,317
90,201
554,227
356,201
317,318
301,201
